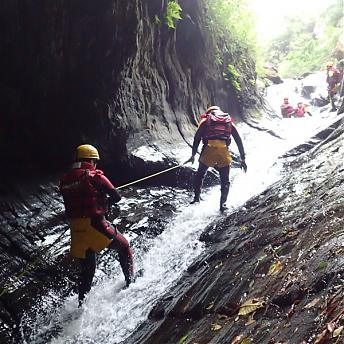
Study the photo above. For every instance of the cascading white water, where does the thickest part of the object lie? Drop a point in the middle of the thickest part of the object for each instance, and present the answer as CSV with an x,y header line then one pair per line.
x,y
112,313
291,89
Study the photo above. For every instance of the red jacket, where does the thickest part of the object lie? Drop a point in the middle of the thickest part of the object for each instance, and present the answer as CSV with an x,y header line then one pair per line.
x,y
286,109
217,127
84,191
300,111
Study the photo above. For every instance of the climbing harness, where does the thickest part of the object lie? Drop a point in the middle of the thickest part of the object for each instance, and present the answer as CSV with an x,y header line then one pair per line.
x,y
39,258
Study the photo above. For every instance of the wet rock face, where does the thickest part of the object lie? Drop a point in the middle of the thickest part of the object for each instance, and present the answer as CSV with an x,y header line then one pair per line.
x,y
107,73
283,251
307,90
271,73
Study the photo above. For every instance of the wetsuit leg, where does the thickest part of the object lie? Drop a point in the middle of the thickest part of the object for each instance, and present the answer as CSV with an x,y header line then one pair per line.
x,y
88,268
121,245
118,243
224,176
331,95
198,181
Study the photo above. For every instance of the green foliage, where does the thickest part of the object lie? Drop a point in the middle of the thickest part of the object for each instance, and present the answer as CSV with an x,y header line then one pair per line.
x,y
305,46
232,19
173,12
157,20
231,24
218,57
260,69
183,339
334,13
233,76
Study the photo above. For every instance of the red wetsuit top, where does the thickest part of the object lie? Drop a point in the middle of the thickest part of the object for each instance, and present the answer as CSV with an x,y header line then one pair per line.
x,y
84,190
217,128
300,111
286,109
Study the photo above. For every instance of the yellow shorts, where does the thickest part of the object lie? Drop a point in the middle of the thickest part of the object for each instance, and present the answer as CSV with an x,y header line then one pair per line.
x,y
216,154
84,237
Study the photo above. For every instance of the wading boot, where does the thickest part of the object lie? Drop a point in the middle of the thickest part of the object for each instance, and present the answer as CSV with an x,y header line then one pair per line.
x,y
224,195
197,188
196,199
223,207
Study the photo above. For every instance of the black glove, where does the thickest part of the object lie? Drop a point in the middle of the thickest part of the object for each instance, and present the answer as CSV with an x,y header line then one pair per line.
x,y
115,211
243,165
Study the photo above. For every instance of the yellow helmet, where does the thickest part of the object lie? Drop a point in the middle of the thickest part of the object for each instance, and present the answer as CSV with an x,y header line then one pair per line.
x,y
87,152
212,108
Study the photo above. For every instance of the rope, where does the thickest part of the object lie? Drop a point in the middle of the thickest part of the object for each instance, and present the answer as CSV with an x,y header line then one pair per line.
x,y
16,278
152,175
31,265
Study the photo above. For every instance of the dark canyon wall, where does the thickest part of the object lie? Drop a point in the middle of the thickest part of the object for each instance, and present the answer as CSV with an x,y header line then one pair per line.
x,y
104,72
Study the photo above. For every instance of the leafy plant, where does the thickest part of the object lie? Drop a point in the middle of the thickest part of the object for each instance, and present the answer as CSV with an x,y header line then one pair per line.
x,y
233,76
231,24
157,20
232,19
218,57
173,12
183,339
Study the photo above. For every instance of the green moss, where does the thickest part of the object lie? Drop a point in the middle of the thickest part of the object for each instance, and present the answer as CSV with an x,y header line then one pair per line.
x,y
322,265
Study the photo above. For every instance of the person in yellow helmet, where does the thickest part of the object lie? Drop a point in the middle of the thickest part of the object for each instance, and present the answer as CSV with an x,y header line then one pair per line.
x,y
215,130
85,189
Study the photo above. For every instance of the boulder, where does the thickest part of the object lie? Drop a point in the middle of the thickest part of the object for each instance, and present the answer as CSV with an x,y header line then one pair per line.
x,y
271,73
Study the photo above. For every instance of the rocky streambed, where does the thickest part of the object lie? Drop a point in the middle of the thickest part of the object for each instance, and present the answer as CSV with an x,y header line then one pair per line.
x,y
272,271
281,251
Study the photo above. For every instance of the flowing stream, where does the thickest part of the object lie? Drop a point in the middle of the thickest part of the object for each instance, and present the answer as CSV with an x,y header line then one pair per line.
x,y
111,313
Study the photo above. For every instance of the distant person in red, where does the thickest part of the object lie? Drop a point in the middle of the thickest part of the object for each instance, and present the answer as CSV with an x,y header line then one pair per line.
x,y
300,110
332,79
286,109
